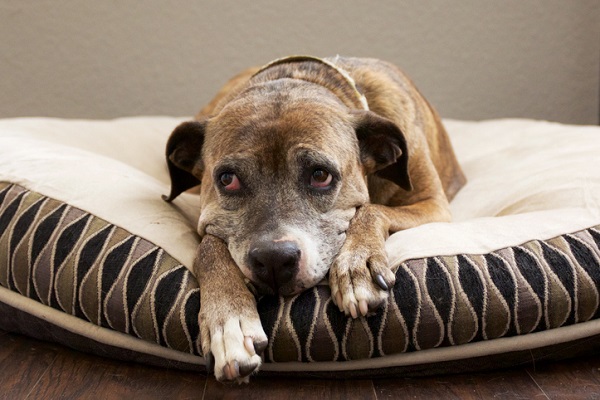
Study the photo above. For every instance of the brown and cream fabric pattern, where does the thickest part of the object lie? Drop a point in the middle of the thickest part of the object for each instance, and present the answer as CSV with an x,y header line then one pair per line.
x,y
68,259
445,301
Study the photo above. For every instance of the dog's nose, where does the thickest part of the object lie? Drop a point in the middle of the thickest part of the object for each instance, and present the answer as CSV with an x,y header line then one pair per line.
x,y
275,262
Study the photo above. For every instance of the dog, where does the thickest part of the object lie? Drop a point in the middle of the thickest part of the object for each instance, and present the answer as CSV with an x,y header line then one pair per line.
x,y
305,166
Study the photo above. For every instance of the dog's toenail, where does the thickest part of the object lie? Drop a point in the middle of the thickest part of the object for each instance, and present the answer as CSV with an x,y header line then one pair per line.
x,y
227,373
249,345
364,307
381,282
353,311
246,370
259,347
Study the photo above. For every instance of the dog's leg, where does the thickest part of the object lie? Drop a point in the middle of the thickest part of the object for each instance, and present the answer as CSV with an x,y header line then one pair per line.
x,y
230,327
361,277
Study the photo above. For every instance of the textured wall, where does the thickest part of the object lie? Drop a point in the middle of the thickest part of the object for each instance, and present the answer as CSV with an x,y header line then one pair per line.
x,y
473,59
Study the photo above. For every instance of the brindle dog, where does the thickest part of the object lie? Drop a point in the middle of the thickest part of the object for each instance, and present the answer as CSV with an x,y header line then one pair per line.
x,y
306,166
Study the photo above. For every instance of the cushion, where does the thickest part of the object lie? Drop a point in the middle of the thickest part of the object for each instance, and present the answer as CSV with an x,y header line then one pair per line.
x,y
91,257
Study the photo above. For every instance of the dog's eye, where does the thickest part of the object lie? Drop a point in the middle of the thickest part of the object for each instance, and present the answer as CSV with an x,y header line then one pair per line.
x,y
229,181
320,179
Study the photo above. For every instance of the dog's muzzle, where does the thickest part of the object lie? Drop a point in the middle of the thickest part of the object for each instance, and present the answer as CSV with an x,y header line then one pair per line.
x,y
275,263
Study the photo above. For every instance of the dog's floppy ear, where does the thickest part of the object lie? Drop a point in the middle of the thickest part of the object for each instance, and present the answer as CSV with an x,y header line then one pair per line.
x,y
184,157
383,148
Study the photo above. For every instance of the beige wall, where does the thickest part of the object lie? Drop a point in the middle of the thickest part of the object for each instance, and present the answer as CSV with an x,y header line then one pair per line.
x,y
473,59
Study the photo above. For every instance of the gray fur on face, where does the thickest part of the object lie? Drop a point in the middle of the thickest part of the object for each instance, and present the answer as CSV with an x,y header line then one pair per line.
x,y
275,201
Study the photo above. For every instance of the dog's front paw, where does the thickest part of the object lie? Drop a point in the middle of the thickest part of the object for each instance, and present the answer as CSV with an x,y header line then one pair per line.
x,y
232,344
360,280
360,277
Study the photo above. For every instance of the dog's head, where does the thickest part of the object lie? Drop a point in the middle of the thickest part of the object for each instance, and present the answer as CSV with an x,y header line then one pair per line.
x,y
282,170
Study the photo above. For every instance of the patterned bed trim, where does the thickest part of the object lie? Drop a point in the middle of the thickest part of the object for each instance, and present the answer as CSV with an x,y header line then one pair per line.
x,y
74,262
25,316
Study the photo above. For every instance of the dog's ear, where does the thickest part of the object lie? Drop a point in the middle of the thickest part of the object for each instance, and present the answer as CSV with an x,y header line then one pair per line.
x,y
383,148
184,157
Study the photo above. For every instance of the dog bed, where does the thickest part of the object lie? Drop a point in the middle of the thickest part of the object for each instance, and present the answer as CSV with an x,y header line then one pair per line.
x,y
91,257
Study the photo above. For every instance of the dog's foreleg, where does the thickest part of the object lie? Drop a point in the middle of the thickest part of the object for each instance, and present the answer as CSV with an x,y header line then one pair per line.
x,y
231,332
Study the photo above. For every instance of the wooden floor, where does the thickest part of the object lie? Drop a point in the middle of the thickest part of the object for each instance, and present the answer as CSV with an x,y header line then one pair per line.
x,y
30,369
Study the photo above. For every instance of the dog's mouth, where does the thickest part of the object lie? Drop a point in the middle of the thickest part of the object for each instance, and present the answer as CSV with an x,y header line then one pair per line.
x,y
301,280
259,288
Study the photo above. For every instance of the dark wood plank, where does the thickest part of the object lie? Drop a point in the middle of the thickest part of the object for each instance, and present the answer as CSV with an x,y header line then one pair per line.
x,y
572,379
33,369
289,388
38,370
502,385
75,375
22,364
